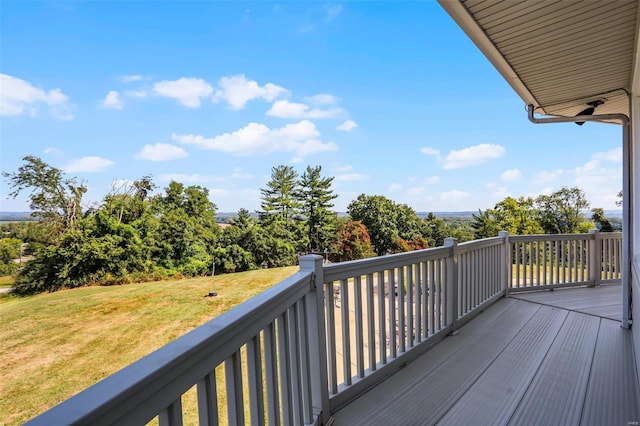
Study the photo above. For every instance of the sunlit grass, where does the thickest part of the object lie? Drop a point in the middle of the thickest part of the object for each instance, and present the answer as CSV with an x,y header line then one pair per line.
x,y
56,344
6,281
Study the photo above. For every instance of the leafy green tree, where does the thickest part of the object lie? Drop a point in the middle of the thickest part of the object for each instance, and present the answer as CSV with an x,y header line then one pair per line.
x,y
392,227
275,243
410,226
54,199
129,201
600,218
561,211
9,250
377,213
187,231
437,229
517,216
315,198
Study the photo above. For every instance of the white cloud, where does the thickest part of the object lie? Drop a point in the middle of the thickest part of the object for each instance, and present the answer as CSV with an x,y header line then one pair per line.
x,y
322,99
237,91
187,91
19,97
347,126
112,100
349,177
472,155
51,150
286,109
432,180
500,193
395,187
88,164
613,155
133,77
257,139
161,152
599,182
547,176
511,175
429,151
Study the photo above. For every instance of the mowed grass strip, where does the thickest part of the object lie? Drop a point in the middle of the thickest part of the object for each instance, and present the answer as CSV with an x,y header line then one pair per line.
x,y
55,345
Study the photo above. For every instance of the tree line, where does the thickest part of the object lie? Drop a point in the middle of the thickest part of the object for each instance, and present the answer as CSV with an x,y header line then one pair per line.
x,y
136,233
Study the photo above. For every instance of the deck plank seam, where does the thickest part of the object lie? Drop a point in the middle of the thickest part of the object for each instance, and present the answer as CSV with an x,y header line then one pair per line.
x,y
566,309
593,358
515,409
497,356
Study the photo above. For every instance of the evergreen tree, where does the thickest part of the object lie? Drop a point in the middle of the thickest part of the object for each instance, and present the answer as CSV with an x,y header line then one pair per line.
x,y
315,197
279,197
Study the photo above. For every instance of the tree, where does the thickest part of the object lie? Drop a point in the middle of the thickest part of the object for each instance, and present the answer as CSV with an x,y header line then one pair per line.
x,y
9,250
54,199
353,242
280,194
314,197
437,230
392,227
561,211
600,218
187,231
517,216
377,213
128,201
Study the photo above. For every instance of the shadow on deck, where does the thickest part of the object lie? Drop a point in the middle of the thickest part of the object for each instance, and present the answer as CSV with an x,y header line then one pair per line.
x,y
553,358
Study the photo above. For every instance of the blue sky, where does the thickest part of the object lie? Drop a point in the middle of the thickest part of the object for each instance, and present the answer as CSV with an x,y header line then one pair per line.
x,y
390,98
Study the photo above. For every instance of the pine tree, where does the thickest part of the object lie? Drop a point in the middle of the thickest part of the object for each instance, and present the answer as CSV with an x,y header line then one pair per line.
x,y
279,197
315,196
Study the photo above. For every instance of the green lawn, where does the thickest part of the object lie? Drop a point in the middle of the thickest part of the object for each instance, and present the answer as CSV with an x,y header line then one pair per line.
x,y
6,281
54,345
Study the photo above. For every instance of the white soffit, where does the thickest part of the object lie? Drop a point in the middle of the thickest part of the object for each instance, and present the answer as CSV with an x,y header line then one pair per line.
x,y
558,55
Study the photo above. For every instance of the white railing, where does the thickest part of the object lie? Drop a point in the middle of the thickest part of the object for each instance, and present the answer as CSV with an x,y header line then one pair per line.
x,y
555,261
309,345
259,363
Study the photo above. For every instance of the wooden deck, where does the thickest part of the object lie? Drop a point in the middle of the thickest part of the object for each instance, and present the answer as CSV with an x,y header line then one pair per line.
x,y
546,358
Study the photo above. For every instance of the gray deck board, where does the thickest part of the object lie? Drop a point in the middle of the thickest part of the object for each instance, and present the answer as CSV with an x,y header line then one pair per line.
x,y
420,395
556,394
495,395
604,301
612,395
517,362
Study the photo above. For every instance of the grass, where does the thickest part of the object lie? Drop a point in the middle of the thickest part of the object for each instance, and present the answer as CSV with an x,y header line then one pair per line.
x,y
54,345
6,281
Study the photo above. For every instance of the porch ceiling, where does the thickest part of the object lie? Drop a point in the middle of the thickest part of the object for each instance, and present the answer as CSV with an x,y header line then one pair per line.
x,y
558,55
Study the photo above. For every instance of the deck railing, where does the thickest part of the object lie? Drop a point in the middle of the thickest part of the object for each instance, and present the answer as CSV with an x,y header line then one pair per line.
x,y
309,345
555,261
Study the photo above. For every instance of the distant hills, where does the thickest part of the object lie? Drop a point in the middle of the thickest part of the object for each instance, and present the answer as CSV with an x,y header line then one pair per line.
x,y
15,216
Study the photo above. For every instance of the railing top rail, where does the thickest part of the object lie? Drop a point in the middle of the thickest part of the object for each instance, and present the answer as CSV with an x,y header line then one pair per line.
x,y
133,394
478,244
550,237
610,235
344,270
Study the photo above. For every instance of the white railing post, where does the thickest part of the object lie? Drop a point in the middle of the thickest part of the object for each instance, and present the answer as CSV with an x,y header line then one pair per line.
x,y
317,335
595,254
505,255
451,286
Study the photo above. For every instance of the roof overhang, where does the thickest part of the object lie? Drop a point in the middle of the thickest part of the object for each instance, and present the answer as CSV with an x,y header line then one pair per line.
x,y
559,55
